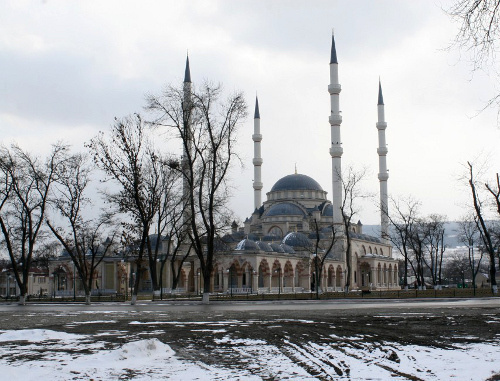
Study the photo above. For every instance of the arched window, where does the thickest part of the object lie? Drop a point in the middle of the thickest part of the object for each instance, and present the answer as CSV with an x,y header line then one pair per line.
x,y
275,230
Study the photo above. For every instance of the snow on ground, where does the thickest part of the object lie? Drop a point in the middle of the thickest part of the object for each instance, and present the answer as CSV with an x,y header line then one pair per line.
x,y
37,354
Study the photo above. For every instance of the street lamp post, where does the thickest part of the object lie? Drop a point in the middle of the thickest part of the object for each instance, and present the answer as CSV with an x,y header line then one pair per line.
x,y
473,272
132,288
345,280
230,280
316,275
254,273
278,271
198,289
54,285
162,265
8,286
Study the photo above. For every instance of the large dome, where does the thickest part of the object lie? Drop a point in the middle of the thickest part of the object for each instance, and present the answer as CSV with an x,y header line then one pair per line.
x,y
284,209
296,182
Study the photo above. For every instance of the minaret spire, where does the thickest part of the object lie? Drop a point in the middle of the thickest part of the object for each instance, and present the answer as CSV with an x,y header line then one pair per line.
x,y
257,113
383,174
187,71
257,159
336,150
187,108
333,53
380,96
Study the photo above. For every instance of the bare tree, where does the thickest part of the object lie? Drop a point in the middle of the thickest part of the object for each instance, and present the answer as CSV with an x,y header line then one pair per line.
x,y
457,268
434,231
207,129
494,191
479,30
417,240
352,195
46,252
171,226
320,249
26,183
468,234
129,159
403,219
484,226
478,33
82,238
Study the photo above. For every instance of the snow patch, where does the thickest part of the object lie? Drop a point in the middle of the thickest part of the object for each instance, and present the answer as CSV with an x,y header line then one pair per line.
x,y
38,335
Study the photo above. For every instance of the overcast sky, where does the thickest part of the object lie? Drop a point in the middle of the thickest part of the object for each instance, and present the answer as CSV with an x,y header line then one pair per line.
x,y
68,68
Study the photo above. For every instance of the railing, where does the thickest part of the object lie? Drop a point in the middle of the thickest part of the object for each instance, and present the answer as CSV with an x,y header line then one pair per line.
x,y
178,290
94,292
239,290
103,291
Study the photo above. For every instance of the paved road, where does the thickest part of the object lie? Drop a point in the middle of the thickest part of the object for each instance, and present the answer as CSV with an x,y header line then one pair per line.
x,y
241,306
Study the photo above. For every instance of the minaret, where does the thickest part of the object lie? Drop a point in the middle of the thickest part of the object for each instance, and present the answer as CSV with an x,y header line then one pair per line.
x,y
257,159
336,147
383,174
186,108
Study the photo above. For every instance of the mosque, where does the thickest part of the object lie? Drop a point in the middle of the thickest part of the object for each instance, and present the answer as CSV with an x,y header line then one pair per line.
x,y
275,249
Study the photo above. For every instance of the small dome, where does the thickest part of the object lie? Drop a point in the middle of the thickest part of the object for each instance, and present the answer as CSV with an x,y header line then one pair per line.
x,y
296,239
296,182
287,249
247,244
276,248
264,246
327,210
314,235
284,209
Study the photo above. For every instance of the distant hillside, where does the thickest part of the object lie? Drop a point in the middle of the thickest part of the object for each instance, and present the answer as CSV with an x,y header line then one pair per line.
x,y
450,238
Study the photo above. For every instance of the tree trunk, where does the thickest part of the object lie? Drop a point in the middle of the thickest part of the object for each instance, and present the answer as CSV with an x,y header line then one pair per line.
x,y
405,280
87,299
22,300
136,284
493,271
206,287
175,275
154,275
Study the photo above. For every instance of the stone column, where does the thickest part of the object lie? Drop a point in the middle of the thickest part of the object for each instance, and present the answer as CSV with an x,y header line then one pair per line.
x,y
196,285
374,276
255,281
225,280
